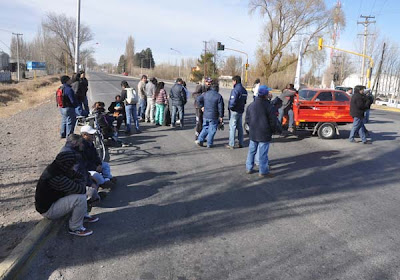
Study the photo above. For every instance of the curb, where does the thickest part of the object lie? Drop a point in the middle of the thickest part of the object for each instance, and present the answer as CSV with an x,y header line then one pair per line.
x,y
13,265
385,108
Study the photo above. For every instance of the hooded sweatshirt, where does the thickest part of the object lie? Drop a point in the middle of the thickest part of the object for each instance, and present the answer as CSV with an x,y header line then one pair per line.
x,y
58,180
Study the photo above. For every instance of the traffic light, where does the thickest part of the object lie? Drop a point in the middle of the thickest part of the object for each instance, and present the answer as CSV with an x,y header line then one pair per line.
x,y
247,65
220,47
320,43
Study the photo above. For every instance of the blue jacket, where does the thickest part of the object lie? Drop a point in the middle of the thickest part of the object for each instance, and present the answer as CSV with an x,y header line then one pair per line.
x,y
262,120
70,96
213,104
238,99
178,95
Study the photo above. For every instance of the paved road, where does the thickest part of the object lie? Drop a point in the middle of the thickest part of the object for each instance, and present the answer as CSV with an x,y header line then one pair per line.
x,y
184,212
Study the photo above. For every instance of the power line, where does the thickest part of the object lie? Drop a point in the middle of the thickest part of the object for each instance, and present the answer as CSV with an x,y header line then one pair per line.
x,y
5,30
5,45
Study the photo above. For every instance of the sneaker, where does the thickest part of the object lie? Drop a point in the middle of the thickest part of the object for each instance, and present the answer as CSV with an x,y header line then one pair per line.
x,y
198,143
367,142
229,147
90,219
107,185
240,146
268,175
290,129
249,171
81,232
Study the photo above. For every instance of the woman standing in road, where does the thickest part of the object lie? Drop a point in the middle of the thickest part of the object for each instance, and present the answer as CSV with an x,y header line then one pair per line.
x,y
161,100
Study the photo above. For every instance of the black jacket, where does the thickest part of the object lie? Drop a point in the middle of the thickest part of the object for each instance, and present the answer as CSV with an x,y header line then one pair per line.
x,y
58,180
262,120
358,105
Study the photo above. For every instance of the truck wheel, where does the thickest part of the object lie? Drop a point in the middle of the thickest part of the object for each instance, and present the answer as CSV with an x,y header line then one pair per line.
x,y
327,131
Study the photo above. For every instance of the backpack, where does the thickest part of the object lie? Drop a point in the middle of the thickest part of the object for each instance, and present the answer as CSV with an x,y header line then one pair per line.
x,y
131,96
60,97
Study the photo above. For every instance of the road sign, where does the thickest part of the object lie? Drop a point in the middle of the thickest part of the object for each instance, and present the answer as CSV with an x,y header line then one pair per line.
x,y
33,65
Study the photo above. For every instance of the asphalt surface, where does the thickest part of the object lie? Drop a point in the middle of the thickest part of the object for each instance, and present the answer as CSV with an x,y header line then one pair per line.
x,y
184,212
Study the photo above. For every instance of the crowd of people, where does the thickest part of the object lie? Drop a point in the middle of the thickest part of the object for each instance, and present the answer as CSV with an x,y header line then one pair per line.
x,y
73,182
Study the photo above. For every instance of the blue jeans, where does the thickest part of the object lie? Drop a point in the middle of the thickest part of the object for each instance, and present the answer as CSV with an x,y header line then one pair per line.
x,y
68,119
176,108
142,108
358,126
86,104
131,113
235,122
366,116
262,148
209,129
80,112
290,114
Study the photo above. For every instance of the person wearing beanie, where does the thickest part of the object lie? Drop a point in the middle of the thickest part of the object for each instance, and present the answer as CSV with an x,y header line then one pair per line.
x,y
61,191
262,121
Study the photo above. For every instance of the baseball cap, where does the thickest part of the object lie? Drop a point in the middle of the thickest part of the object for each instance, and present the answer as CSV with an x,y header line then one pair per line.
x,y
263,90
88,129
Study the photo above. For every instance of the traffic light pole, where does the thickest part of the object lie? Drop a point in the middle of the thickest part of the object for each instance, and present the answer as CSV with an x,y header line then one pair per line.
x,y
247,62
371,61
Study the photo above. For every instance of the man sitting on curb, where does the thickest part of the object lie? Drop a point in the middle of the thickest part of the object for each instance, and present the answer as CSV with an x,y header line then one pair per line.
x,y
62,191
100,171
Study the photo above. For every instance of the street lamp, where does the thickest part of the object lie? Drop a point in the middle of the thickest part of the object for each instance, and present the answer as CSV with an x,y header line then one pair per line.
x,y
179,66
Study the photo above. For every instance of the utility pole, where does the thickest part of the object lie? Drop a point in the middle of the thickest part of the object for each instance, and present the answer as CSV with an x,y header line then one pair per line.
x,y
378,73
17,34
205,61
78,20
366,22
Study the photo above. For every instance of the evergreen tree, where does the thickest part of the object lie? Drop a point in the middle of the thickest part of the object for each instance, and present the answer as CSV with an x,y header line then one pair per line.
x,y
206,61
121,68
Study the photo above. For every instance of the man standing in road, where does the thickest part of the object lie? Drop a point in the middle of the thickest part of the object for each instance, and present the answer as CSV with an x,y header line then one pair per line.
x,y
358,105
237,101
69,103
287,97
261,117
212,105
142,96
84,89
129,96
150,90
178,100
200,89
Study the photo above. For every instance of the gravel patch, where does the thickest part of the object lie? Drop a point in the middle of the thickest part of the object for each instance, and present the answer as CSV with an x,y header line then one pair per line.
x,y
29,141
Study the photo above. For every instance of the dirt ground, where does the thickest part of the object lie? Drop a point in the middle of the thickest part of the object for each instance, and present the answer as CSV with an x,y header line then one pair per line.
x,y
29,141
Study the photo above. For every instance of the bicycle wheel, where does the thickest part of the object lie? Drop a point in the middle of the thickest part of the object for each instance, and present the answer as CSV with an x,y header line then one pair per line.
x,y
99,145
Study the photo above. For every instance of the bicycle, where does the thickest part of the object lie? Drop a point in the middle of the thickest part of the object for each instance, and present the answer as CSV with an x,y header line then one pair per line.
x,y
98,136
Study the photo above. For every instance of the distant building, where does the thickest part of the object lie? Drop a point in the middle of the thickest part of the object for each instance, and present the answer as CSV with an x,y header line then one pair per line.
x,y
4,61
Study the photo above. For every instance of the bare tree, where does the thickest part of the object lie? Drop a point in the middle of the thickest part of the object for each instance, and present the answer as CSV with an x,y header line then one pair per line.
x,y
130,54
59,35
232,66
287,19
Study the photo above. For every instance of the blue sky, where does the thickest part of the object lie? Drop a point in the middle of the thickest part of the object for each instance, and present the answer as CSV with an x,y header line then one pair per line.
x,y
178,24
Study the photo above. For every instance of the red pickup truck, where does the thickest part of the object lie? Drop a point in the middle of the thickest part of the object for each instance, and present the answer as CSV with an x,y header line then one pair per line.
x,y
322,111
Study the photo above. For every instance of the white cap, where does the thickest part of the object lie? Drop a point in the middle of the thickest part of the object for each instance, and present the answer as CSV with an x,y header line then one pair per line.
x,y
88,129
